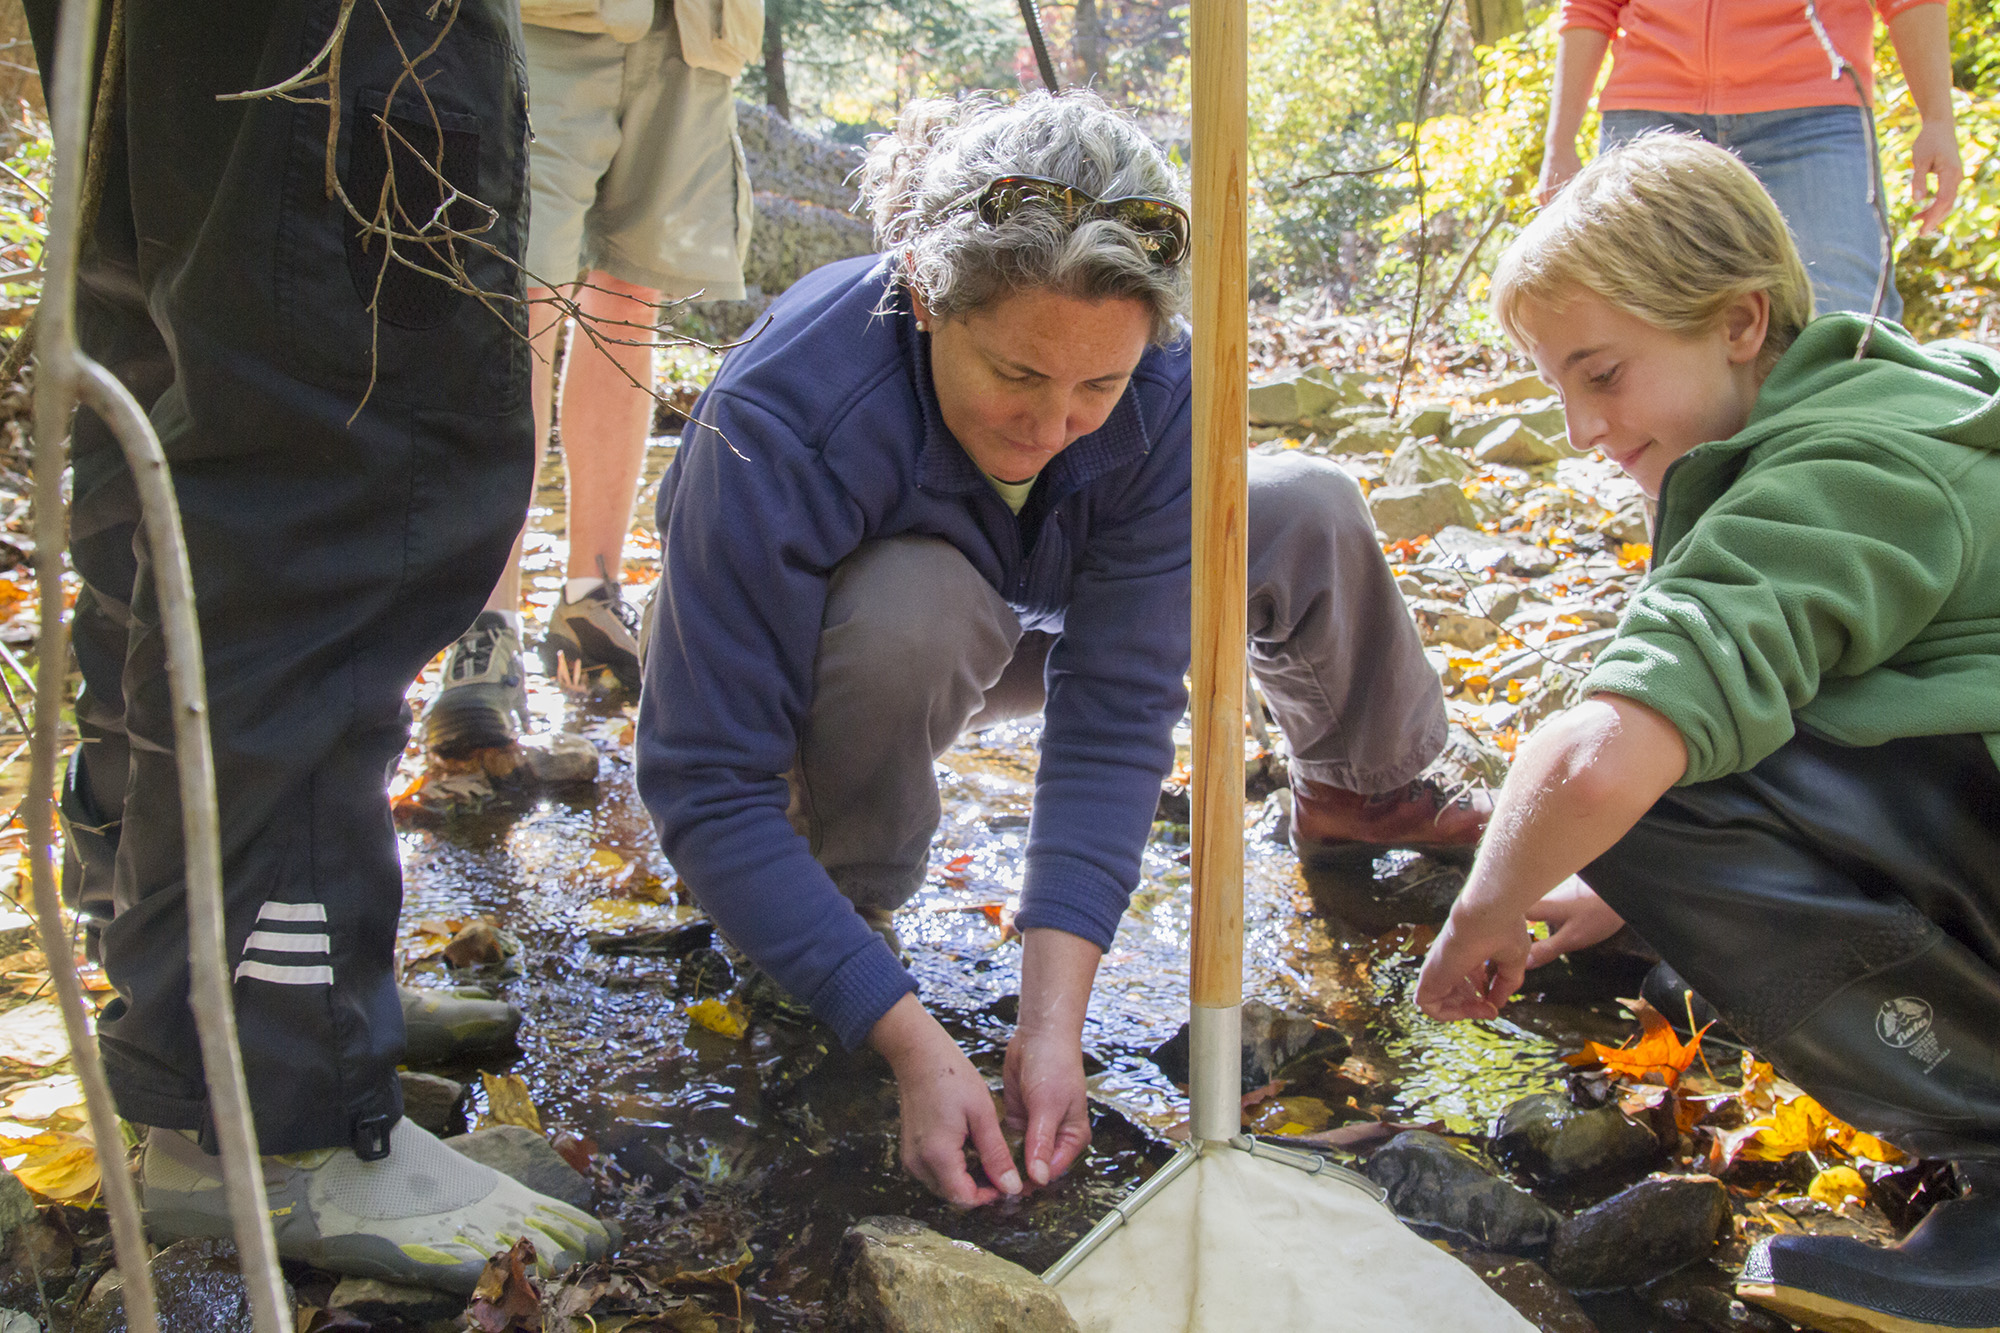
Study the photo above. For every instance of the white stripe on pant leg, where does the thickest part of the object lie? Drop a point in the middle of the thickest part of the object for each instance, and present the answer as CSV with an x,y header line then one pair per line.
x,y
278,942
285,974
291,912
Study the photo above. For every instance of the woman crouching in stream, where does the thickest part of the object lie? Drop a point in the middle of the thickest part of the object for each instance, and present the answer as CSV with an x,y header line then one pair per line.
x,y
948,486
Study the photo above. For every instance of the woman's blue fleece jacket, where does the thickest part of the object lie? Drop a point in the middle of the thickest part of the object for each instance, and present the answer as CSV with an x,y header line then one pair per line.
x,y
822,433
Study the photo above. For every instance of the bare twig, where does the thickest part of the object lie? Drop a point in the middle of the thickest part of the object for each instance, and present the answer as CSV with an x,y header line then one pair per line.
x,y
32,188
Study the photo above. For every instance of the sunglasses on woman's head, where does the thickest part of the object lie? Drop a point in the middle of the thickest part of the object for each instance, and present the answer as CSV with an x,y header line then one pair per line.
x,y
1161,225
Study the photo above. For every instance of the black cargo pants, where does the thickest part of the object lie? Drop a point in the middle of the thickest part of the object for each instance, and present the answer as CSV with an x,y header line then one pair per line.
x,y
334,551
1840,908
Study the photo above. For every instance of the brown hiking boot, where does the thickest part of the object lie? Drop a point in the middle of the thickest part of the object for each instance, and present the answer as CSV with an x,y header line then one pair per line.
x,y
1331,827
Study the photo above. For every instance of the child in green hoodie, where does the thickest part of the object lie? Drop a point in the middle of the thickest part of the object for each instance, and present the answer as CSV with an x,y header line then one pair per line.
x,y
1786,772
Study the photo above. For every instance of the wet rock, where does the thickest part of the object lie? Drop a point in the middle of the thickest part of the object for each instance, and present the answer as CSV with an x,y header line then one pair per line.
x,y
1404,512
1468,548
1700,1295
1378,893
1431,1182
1277,1043
703,972
36,1259
529,1158
1547,1137
1630,522
1519,390
1496,601
1413,464
392,1303
1447,623
1527,1286
1431,423
1365,435
668,942
560,759
16,1207
197,1286
899,1276
1295,399
1511,444
480,944
1643,1233
1549,423
431,1101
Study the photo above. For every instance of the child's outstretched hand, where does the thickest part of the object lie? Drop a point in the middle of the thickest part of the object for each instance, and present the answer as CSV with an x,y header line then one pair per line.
x,y
1475,963
1577,918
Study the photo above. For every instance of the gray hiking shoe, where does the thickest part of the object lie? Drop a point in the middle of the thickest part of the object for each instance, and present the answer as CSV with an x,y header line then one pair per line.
x,y
422,1215
598,629
440,1025
482,690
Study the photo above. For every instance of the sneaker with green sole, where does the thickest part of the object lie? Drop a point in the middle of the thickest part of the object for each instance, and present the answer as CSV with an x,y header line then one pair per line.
x,y
598,629
482,691
423,1215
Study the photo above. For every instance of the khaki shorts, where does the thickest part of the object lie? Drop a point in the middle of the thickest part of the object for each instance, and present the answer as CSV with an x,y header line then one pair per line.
x,y
635,169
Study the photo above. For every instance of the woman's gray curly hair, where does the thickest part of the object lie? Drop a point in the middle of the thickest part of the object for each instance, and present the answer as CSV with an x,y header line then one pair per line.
x,y
943,151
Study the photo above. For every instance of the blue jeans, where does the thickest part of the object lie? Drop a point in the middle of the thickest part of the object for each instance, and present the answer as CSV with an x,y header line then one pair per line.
x,y
1816,161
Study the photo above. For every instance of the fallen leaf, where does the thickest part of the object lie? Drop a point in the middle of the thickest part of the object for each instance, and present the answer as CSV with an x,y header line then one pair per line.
x,y
33,1034
1634,555
1657,1056
604,861
1366,1135
1837,1185
728,1020
506,1298
55,1164
508,1103
478,944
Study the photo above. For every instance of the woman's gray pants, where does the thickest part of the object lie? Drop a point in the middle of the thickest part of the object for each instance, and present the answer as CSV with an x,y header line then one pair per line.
x,y
917,649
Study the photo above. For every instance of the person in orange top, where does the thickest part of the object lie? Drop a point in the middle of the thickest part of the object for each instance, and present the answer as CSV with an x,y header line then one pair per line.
x,y
1769,80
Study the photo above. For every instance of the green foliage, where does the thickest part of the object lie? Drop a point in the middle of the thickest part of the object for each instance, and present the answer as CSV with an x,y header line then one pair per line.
x,y
1333,85
1479,167
854,63
23,221
1950,280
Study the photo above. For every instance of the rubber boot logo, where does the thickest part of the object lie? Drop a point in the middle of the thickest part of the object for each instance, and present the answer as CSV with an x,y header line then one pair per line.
x,y
1905,1023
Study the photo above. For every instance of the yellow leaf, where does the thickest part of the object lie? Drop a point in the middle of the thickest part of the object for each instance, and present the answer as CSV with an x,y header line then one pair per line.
x,y
1857,1144
727,1020
1634,555
508,1103
1836,1185
57,1165
604,861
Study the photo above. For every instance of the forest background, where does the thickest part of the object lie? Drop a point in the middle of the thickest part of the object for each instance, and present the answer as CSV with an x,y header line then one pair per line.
x,y
1356,208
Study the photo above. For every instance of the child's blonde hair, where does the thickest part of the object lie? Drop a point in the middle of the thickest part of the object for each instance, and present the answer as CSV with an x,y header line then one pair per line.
x,y
1667,228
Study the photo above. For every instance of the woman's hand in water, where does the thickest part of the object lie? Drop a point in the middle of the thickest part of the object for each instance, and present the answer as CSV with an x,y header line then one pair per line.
x,y
946,1104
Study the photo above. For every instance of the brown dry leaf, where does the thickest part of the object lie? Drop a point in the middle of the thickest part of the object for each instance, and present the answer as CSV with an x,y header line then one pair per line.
x,y
479,944
1367,1135
508,1103
58,1165
507,1299
431,934
721,1275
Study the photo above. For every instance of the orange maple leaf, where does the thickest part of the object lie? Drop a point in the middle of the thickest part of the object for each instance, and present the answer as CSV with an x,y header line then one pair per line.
x,y
1657,1056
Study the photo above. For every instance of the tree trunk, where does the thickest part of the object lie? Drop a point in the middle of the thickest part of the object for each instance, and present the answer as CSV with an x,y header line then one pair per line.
x,y
1090,42
775,94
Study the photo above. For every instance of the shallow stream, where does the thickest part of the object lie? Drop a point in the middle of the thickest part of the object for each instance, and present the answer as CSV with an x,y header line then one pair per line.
x,y
775,1142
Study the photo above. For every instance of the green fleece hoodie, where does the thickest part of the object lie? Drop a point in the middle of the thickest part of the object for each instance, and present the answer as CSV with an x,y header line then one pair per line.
x,y
1835,564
